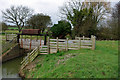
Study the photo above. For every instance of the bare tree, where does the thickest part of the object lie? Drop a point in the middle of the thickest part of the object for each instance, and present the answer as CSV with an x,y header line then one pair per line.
x,y
17,15
81,13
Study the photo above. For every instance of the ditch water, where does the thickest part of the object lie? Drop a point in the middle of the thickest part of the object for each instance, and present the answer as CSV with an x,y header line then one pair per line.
x,y
11,68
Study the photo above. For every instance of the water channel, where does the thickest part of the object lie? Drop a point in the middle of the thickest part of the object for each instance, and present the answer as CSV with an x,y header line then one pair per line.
x,y
11,68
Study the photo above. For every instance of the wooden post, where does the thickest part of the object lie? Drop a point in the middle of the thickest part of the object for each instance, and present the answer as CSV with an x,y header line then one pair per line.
x,y
37,38
6,36
83,37
25,37
30,42
48,45
21,41
57,44
38,49
40,41
93,42
45,39
79,42
91,37
18,37
75,37
67,44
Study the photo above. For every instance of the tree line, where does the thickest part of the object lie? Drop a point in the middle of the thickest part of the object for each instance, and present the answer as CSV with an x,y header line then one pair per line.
x,y
77,19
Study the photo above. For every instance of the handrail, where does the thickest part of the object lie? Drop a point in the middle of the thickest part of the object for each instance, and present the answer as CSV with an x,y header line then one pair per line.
x,y
30,57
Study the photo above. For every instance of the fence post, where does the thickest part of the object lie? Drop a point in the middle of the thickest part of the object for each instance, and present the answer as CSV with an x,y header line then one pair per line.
x,y
83,37
45,39
18,37
57,44
6,36
21,41
67,44
38,49
37,38
93,42
75,37
79,42
25,37
48,45
40,40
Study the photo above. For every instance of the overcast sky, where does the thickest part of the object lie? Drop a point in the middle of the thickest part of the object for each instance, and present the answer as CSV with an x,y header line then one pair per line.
x,y
49,7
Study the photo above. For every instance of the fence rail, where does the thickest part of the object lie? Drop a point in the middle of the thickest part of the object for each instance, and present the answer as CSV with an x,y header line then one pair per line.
x,y
30,57
10,36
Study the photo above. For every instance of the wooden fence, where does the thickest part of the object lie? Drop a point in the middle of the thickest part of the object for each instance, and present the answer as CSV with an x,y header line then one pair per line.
x,y
29,43
55,45
30,57
10,36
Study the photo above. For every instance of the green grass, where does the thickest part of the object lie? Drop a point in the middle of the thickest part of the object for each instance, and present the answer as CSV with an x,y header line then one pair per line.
x,y
12,31
84,63
13,28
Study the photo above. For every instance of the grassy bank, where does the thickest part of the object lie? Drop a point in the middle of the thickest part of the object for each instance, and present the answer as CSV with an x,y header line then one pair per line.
x,y
84,63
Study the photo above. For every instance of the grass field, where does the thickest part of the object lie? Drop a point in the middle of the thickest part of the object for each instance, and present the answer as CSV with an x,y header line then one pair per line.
x,y
12,31
84,63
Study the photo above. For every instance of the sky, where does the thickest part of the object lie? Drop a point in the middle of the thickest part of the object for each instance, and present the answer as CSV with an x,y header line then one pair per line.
x,y
49,7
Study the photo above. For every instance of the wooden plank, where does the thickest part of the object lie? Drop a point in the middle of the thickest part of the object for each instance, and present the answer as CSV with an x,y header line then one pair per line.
x,y
62,48
86,44
43,51
53,45
53,42
74,40
86,47
44,48
61,40
53,39
62,45
73,48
